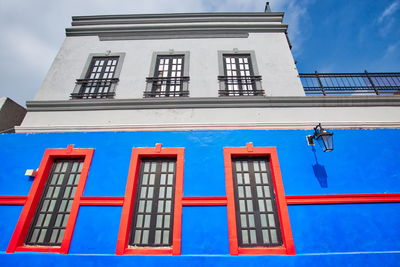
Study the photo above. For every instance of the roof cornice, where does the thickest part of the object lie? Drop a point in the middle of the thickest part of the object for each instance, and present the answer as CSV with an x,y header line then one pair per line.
x,y
213,102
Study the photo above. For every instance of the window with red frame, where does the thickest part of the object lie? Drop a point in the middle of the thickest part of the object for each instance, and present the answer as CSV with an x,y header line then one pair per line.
x,y
152,211
48,218
257,211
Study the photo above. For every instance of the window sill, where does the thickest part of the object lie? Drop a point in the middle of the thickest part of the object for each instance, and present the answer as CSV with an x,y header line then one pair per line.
x,y
148,251
45,249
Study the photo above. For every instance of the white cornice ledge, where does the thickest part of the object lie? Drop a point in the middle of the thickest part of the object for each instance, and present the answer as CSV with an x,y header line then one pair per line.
x,y
214,102
208,126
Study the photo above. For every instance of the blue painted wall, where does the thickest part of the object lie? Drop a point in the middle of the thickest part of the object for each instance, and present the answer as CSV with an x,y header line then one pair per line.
x,y
364,161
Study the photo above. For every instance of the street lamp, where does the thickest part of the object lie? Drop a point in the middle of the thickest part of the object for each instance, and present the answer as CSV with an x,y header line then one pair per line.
x,y
323,137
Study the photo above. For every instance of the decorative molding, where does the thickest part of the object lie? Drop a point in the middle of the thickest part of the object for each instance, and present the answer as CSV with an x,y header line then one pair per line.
x,y
122,31
178,17
204,201
101,201
207,126
343,199
12,200
213,102
173,36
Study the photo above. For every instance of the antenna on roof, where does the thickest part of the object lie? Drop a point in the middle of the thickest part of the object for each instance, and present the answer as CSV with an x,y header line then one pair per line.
x,y
267,7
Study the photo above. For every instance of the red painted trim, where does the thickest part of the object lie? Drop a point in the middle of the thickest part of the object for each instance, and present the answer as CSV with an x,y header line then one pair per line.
x,y
12,200
204,201
342,199
130,192
102,201
32,201
271,153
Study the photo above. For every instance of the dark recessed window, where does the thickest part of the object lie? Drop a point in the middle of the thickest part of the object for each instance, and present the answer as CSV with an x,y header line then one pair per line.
x,y
99,79
255,204
239,76
51,217
168,79
154,204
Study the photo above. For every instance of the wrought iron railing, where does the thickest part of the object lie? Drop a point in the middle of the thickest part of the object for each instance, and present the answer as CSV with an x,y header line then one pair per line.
x,y
95,88
240,86
167,87
366,83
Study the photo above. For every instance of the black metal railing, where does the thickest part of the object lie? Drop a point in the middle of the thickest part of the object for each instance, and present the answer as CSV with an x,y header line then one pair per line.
x,y
95,88
240,86
366,83
167,86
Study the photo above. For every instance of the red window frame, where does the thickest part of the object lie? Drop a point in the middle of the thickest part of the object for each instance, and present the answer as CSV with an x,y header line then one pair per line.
x,y
130,193
270,152
28,212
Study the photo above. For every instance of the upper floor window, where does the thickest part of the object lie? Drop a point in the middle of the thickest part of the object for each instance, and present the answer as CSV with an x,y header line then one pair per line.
x,y
239,75
99,78
169,75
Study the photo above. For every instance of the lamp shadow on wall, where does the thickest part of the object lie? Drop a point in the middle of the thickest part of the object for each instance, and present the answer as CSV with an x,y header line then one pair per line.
x,y
320,171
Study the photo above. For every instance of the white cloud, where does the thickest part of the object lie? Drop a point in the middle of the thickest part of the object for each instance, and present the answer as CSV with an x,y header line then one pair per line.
x,y
389,11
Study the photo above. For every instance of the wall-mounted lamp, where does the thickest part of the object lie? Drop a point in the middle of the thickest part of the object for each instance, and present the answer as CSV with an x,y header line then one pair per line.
x,y
323,137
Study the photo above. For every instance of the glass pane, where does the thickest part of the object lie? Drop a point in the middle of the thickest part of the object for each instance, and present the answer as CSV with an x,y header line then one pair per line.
x,y
158,237
251,221
265,236
271,220
166,237
145,238
245,237
274,238
159,223
253,238
169,192
167,221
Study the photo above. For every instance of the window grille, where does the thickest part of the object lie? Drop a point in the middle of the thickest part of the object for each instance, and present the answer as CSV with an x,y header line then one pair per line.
x,y
239,77
99,79
154,204
169,79
51,217
255,203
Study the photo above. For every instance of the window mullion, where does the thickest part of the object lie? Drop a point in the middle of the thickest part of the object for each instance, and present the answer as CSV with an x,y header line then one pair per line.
x,y
58,202
154,207
256,206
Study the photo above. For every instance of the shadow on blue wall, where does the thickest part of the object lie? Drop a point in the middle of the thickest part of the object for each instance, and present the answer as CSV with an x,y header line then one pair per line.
x,y
320,171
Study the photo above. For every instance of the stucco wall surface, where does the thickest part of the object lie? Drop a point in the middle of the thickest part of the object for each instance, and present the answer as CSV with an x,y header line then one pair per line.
x,y
363,161
273,58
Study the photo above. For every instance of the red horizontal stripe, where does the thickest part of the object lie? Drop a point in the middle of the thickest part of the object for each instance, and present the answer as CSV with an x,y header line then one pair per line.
x,y
12,200
204,201
342,199
101,201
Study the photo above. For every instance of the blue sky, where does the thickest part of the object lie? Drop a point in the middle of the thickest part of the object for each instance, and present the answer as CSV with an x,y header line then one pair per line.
x,y
327,35
349,36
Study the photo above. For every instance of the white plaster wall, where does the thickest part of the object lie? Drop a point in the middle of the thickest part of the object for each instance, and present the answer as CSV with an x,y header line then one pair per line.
x,y
273,56
161,117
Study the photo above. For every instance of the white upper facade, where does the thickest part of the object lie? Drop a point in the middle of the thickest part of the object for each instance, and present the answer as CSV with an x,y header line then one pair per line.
x,y
188,71
201,38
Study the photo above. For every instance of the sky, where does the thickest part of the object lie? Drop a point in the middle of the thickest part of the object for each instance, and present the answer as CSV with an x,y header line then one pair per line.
x,y
327,35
